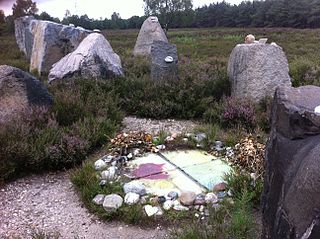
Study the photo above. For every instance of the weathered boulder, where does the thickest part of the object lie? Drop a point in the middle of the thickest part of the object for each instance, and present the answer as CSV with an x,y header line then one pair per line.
x,y
164,61
23,34
94,58
134,187
131,198
150,31
98,199
291,201
187,198
256,70
51,42
19,91
112,202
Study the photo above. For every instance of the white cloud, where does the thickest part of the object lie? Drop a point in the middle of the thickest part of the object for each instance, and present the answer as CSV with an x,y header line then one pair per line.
x,y
95,8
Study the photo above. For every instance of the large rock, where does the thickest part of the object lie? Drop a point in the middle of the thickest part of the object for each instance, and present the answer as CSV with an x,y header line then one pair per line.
x,y
135,187
187,198
19,91
94,58
150,31
256,70
23,34
164,61
291,197
112,202
53,41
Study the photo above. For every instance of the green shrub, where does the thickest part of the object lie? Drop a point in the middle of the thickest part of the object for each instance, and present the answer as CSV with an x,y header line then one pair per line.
x,y
304,72
231,220
59,138
263,114
85,180
184,98
241,183
231,112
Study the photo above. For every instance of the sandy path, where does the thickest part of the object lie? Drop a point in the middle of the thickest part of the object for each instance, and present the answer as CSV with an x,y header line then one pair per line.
x,y
49,202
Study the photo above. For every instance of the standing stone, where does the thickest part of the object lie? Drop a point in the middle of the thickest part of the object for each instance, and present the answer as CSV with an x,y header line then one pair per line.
x,y
256,70
164,58
19,91
291,201
112,202
150,31
52,41
23,34
94,58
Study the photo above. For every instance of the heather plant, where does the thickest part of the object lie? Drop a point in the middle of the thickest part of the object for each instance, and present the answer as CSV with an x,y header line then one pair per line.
x,y
60,137
238,112
23,141
69,151
232,112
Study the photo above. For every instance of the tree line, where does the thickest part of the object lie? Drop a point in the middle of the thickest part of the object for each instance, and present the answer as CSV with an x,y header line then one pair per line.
x,y
180,14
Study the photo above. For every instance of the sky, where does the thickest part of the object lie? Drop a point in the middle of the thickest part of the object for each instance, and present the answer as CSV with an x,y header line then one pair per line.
x,y
95,8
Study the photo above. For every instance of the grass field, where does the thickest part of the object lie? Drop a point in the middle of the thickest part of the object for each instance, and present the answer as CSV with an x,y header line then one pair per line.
x,y
213,46
208,47
82,115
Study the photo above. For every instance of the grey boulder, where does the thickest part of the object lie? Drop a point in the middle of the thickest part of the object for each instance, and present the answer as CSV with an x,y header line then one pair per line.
x,y
164,61
134,187
98,199
256,70
187,198
290,201
94,58
112,202
20,91
150,31
50,42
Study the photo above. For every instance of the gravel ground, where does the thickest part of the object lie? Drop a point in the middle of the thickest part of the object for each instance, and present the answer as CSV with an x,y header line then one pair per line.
x,y
49,202
154,126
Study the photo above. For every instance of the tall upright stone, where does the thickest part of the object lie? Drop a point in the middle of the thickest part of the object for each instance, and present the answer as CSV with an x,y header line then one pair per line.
x,y
256,70
164,61
291,197
150,31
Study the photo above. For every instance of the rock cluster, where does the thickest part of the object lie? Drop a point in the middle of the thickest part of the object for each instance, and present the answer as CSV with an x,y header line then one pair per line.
x,y
66,51
135,191
290,200
256,70
132,144
19,91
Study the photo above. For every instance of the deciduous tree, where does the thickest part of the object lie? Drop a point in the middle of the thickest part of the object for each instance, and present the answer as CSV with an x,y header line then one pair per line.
x,y
2,16
24,7
166,9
